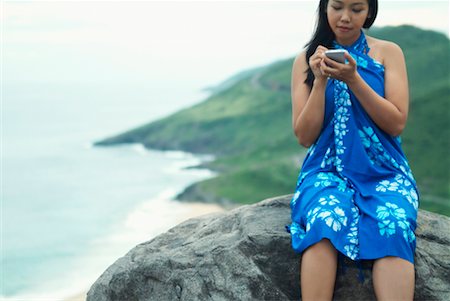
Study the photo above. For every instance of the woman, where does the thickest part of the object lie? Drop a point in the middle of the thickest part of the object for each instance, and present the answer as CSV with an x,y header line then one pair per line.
x,y
355,194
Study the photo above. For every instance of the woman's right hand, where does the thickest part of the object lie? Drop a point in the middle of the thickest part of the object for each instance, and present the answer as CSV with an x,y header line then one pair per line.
x,y
315,61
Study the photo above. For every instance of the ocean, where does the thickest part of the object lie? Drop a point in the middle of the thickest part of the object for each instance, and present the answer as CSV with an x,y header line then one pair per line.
x,y
69,210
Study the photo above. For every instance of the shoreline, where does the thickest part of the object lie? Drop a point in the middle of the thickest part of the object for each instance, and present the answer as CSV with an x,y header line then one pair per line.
x,y
194,194
194,209
78,297
141,223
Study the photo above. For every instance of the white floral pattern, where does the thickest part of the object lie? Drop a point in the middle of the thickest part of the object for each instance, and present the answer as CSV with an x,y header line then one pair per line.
x,y
327,179
378,155
334,217
401,185
328,158
311,149
352,246
375,150
361,62
341,117
295,229
390,216
296,195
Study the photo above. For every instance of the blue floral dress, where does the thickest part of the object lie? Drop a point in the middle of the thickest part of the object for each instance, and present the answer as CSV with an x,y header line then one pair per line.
x,y
355,186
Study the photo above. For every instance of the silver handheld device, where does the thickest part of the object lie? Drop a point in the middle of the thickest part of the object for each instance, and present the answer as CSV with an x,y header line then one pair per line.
x,y
336,55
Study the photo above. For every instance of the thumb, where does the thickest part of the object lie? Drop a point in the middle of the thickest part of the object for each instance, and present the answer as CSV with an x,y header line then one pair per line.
x,y
350,59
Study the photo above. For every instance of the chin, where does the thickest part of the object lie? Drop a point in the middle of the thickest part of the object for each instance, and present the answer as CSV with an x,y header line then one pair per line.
x,y
346,35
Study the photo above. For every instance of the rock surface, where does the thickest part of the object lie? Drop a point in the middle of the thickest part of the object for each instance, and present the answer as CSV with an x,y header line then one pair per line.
x,y
245,254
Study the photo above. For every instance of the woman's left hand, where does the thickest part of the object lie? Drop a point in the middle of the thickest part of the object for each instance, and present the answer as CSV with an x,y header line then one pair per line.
x,y
343,72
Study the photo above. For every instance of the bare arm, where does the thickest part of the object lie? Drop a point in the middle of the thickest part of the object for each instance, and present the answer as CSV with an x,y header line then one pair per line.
x,y
390,112
308,104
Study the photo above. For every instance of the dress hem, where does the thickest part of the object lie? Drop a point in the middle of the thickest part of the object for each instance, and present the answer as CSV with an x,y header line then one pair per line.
x,y
341,255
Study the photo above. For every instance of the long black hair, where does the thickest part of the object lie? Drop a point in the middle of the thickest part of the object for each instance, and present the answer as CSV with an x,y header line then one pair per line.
x,y
323,34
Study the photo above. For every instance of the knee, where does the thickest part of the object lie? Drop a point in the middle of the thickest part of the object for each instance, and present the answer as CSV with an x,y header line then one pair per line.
x,y
325,242
393,261
391,265
325,245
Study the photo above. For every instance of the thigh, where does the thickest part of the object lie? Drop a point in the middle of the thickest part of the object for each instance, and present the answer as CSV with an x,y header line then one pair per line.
x,y
319,193
323,207
387,225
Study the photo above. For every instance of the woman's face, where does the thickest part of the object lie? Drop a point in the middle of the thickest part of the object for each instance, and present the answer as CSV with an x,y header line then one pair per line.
x,y
346,18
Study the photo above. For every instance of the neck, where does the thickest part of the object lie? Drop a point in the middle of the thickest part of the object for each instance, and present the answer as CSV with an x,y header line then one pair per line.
x,y
349,41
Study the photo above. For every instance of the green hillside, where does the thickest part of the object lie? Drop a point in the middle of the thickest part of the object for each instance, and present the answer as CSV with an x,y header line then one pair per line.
x,y
426,53
247,125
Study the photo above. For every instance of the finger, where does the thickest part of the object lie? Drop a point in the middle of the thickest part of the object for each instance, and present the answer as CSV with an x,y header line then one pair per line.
x,y
319,54
350,59
322,64
326,70
331,63
321,47
315,63
321,51
317,59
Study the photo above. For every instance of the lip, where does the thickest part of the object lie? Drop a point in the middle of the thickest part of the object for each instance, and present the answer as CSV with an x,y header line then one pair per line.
x,y
343,28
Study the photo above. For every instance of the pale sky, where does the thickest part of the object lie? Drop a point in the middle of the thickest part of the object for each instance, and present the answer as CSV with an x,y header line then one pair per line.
x,y
203,41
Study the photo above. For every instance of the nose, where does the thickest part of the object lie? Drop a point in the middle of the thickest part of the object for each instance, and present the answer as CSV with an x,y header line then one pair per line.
x,y
345,17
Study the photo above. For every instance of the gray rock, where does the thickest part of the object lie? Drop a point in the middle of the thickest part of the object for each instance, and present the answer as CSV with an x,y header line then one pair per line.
x,y
245,254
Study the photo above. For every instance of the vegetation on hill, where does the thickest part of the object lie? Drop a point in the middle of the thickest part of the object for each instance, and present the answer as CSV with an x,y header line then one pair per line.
x,y
247,125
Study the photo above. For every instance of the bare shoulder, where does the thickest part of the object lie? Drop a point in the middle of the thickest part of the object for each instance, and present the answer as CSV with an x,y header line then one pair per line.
x,y
299,66
300,60
384,51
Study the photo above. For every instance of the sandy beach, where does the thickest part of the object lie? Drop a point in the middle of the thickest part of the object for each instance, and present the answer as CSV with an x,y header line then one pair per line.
x,y
79,297
193,210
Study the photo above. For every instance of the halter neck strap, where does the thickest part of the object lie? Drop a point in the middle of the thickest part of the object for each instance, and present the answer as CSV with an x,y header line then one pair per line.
x,y
360,45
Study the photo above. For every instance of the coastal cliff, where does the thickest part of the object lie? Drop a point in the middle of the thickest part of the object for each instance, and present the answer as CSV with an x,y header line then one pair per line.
x,y
246,124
